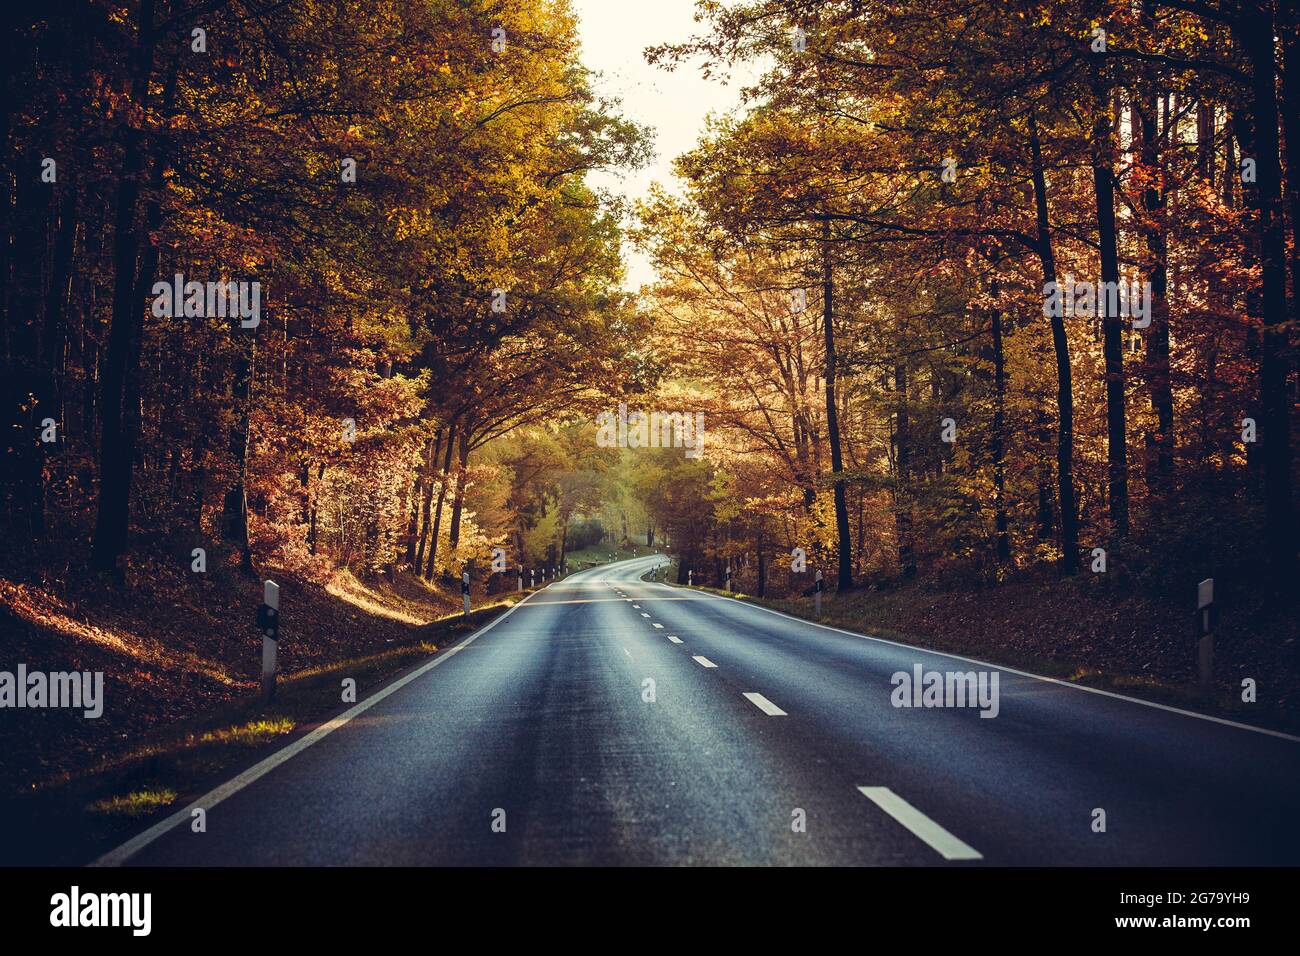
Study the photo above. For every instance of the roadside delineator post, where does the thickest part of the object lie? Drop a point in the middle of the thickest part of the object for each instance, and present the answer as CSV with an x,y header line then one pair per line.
x,y
464,590
818,585
521,579
1206,613
690,579
728,576
532,577
268,622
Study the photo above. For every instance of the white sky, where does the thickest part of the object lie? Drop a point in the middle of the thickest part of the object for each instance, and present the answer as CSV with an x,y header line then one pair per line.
x,y
614,33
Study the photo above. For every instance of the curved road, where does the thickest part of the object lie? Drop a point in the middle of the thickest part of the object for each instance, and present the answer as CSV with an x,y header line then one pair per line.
x,y
607,720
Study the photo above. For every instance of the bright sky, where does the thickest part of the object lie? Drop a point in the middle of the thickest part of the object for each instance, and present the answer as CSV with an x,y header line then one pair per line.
x,y
614,33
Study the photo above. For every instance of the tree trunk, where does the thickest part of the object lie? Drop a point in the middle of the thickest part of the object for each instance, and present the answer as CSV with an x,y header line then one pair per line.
x,y
902,473
234,508
1064,384
425,483
442,497
1275,423
313,525
1243,126
842,536
1153,202
1289,31
116,451
458,502
25,375
1103,179
998,443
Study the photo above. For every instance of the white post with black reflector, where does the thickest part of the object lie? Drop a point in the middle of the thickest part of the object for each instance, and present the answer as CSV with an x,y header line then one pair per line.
x,y
818,586
464,590
1207,613
268,622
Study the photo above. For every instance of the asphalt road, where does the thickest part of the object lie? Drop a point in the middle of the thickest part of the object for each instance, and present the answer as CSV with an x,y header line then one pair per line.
x,y
761,740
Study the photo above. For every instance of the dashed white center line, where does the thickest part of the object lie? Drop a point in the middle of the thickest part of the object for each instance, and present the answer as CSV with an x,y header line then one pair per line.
x,y
627,652
637,606
765,705
660,626
922,827
644,614
674,638
703,661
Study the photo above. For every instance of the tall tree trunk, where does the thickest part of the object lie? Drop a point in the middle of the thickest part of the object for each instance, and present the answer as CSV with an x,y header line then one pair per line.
x,y
115,452
1243,125
998,443
424,483
442,497
1275,423
313,524
458,501
25,375
1064,383
1289,31
902,475
235,506
1153,203
843,538
1103,179
49,404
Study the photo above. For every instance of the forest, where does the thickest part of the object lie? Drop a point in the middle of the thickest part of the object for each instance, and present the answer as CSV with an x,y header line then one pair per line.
x,y
987,308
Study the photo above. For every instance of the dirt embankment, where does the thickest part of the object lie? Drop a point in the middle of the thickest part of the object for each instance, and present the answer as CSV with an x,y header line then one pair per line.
x,y
172,647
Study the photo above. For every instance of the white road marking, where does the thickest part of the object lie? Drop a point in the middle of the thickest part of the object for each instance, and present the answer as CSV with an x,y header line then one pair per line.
x,y
921,826
627,652
765,705
704,661
660,626
637,606
231,787
674,638
644,614
705,596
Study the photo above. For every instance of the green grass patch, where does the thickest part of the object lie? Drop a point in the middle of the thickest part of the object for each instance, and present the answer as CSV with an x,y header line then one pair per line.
x,y
134,805
251,734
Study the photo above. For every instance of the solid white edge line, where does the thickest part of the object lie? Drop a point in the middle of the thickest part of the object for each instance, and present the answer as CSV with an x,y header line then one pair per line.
x,y
703,661
260,769
921,826
765,705
1010,670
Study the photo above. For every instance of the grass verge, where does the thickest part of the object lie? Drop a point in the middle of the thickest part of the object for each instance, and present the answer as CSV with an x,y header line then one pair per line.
x,y
74,817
